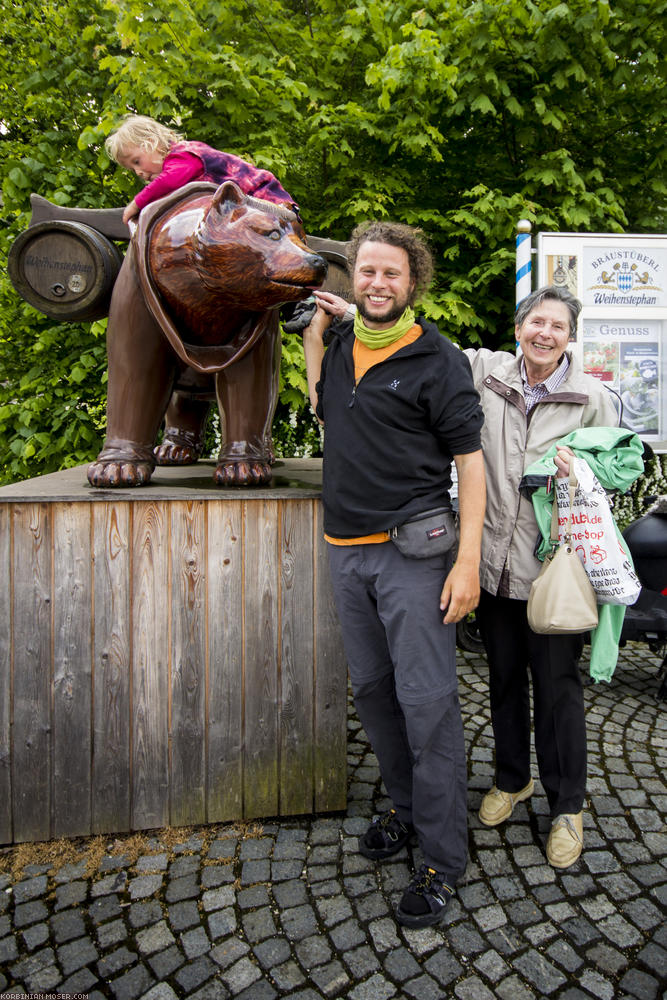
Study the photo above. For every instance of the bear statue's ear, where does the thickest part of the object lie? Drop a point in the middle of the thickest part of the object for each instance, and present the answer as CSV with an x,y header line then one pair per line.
x,y
228,196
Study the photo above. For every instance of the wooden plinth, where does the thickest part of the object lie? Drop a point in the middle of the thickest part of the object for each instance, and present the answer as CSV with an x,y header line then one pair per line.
x,y
169,655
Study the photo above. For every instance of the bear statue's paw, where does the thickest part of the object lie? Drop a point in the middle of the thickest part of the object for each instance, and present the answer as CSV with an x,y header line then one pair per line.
x,y
116,474
178,447
243,472
172,453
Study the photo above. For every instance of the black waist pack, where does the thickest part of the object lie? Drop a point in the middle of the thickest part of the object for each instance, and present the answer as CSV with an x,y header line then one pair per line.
x,y
431,533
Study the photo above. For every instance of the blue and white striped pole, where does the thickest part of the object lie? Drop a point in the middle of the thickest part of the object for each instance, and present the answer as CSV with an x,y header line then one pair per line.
x,y
523,260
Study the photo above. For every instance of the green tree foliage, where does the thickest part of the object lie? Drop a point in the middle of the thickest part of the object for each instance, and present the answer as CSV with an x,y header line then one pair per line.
x,y
458,115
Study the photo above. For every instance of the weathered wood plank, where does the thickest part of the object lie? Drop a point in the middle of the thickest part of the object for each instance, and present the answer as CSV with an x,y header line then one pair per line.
x,y
330,698
31,615
225,646
111,659
72,670
296,657
188,663
260,640
150,665
5,678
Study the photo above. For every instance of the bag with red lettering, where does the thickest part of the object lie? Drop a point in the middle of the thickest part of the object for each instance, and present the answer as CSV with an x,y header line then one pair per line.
x,y
596,539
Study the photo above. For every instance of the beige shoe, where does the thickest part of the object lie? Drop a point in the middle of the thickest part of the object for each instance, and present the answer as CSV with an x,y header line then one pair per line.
x,y
498,806
566,840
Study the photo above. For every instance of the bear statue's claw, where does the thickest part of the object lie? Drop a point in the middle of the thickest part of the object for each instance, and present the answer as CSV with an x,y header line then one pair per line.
x,y
248,472
118,474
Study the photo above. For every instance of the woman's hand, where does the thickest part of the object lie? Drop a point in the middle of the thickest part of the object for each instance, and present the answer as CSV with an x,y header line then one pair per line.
x,y
562,461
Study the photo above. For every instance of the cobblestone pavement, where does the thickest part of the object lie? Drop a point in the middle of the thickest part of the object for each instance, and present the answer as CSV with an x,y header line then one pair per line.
x,y
290,909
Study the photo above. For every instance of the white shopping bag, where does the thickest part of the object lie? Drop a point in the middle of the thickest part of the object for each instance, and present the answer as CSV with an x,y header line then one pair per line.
x,y
596,539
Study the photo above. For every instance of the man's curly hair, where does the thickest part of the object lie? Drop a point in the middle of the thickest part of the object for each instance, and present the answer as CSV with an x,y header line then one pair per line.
x,y
396,234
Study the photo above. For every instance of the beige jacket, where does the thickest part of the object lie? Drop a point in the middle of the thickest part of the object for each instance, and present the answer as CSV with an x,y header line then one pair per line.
x,y
510,443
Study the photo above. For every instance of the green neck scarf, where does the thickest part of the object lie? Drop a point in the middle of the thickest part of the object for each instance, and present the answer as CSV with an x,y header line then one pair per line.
x,y
375,339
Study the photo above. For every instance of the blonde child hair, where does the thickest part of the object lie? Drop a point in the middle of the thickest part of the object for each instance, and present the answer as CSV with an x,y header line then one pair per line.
x,y
141,131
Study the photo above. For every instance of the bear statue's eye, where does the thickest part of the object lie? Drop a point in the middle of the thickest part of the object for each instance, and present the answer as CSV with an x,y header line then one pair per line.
x,y
274,234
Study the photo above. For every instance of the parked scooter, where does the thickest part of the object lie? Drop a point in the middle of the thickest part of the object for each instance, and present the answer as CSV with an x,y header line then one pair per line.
x,y
646,620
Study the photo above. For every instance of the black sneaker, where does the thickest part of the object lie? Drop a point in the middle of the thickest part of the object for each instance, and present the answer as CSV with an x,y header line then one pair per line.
x,y
385,836
425,900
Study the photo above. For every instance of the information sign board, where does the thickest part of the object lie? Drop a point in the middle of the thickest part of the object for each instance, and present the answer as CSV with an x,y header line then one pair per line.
x,y
622,334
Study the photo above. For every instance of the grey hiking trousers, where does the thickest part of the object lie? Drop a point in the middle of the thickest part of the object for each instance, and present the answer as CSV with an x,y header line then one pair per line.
x,y
402,663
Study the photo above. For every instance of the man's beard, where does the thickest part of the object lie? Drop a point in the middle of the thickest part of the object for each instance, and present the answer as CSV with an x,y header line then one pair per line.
x,y
392,316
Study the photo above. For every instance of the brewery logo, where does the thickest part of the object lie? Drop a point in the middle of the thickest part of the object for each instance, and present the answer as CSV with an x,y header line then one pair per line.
x,y
624,277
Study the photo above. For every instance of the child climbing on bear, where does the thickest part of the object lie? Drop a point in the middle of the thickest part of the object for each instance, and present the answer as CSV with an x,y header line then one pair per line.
x,y
166,161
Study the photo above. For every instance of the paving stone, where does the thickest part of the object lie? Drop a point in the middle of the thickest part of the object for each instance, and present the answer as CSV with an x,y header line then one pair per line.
x,y
182,888
30,913
223,848
33,937
184,866
104,909
640,984
161,991
67,925
564,955
192,975
597,985
166,962
228,952
152,863
262,990
220,923
70,893
423,988
155,938
375,988
492,965
109,884
361,961
287,976
473,989
292,893
313,951
143,914
216,899
272,953
79,983
183,915
8,950
347,935
113,862
259,924
145,885
30,889
76,954
240,975
110,934
112,963
299,922
131,984
215,875
195,942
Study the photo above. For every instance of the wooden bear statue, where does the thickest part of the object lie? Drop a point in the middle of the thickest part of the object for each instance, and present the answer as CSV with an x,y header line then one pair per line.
x,y
195,310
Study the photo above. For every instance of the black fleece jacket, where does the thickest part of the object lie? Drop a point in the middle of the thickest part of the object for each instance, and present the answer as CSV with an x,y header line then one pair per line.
x,y
389,441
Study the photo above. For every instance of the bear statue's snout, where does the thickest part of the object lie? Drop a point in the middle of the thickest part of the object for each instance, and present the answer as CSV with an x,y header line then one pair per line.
x,y
319,265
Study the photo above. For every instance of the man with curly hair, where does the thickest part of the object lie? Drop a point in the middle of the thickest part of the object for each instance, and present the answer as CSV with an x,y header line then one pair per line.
x,y
398,405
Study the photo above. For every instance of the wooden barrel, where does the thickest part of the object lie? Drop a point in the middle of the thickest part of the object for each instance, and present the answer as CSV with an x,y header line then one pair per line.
x,y
65,269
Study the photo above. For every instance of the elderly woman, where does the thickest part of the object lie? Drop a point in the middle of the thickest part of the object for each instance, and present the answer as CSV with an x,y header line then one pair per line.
x,y
530,401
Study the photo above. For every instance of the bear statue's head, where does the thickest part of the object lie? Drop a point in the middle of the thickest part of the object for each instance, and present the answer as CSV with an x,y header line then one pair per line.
x,y
252,253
